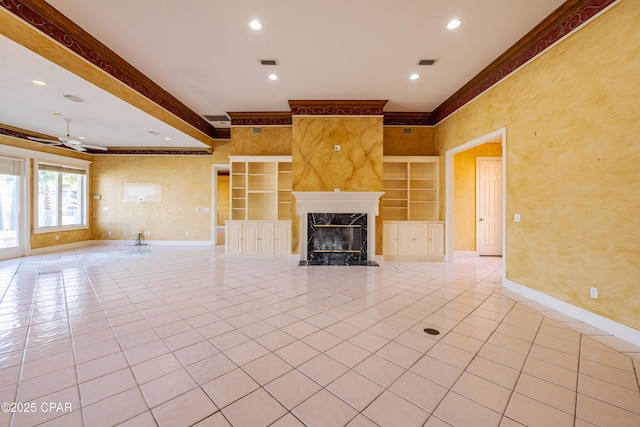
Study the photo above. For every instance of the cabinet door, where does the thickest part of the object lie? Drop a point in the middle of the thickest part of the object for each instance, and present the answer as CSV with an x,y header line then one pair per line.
x,y
420,239
405,245
436,240
390,237
251,234
233,238
265,238
283,238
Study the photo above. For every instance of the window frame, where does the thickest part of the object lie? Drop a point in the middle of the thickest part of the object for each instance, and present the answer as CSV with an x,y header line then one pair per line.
x,y
60,168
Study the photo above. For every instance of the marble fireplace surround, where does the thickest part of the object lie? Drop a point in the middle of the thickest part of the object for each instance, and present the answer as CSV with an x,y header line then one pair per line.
x,y
338,202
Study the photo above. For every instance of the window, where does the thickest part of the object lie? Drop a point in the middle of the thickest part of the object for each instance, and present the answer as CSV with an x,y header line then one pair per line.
x,y
62,196
10,174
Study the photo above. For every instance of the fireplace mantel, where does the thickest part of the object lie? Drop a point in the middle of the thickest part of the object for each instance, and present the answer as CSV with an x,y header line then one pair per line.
x,y
338,202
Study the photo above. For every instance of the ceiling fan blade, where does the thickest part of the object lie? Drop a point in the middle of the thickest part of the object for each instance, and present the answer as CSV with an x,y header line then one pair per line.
x,y
76,147
47,141
95,147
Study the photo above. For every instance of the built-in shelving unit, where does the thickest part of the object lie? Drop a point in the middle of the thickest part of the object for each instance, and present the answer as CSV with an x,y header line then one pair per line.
x,y
261,206
261,188
411,186
411,230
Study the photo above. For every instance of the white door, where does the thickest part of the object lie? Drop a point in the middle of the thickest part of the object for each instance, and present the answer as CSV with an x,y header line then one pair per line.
x,y
405,244
233,242
390,237
419,239
436,240
489,206
283,238
265,238
12,218
251,235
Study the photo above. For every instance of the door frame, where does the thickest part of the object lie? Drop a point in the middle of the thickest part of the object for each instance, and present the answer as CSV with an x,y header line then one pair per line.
x,y
214,198
478,160
495,136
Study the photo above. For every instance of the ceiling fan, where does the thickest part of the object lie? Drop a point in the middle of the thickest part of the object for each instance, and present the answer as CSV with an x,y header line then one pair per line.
x,y
68,141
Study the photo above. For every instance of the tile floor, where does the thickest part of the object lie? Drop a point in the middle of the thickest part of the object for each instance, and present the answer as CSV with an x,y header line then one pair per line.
x,y
180,336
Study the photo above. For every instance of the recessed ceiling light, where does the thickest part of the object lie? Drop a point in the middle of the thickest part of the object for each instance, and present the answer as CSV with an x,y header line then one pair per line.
x,y
273,77
453,24
414,76
255,25
82,137
166,138
38,82
73,98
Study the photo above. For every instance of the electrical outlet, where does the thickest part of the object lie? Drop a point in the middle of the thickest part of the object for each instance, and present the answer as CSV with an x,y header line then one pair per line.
x,y
57,237
147,233
186,233
593,292
109,232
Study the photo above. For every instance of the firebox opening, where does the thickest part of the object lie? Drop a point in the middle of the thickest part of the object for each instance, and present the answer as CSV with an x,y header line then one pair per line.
x,y
337,239
334,238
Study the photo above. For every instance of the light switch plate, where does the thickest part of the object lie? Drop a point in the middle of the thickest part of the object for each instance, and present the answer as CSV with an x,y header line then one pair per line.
x,y
516,217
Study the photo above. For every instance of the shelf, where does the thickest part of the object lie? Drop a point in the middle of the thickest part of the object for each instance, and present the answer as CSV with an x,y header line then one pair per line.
x,y
411,188
261,187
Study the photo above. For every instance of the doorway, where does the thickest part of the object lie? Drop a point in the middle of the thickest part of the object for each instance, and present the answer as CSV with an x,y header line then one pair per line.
x,y
498,136
220,203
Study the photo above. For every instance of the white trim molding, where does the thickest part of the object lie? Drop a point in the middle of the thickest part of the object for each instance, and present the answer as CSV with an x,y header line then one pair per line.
x,y
338,202
604,324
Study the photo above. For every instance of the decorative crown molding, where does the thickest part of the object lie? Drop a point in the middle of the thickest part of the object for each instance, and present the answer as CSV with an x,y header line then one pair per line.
x,y
222,133
564,20
261,118
397,118
337,107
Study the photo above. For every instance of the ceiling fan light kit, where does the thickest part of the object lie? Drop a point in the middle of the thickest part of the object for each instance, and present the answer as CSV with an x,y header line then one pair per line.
x,y
69,142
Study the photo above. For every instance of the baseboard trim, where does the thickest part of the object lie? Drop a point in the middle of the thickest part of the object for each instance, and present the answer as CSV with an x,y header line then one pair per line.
x,y
465,253
156,242
604,324
62,247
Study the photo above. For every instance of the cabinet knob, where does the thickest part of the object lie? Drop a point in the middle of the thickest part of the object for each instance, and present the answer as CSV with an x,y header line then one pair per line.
x,y
481,219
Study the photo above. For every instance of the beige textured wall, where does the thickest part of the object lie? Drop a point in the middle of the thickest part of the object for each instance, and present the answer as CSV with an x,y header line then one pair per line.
x,y
273,141
418,143
356,167
572,164
186,185
464,194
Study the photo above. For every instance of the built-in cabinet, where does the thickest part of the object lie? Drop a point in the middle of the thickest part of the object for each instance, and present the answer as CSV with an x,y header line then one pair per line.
x,y
410,208
261,206
258,237
413,240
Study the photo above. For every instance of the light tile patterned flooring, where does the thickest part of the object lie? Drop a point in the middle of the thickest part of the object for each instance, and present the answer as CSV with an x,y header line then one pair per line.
x,y
180,336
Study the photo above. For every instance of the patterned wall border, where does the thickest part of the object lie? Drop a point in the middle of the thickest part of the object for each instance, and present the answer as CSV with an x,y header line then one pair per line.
x,y
48,20
564,20
261,118
394,118
337,107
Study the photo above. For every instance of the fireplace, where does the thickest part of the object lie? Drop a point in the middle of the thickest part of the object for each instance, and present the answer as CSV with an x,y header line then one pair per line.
x,y
336,239
337,228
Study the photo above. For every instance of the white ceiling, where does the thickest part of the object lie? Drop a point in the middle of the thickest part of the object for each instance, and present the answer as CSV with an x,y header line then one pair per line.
x,y
204,54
